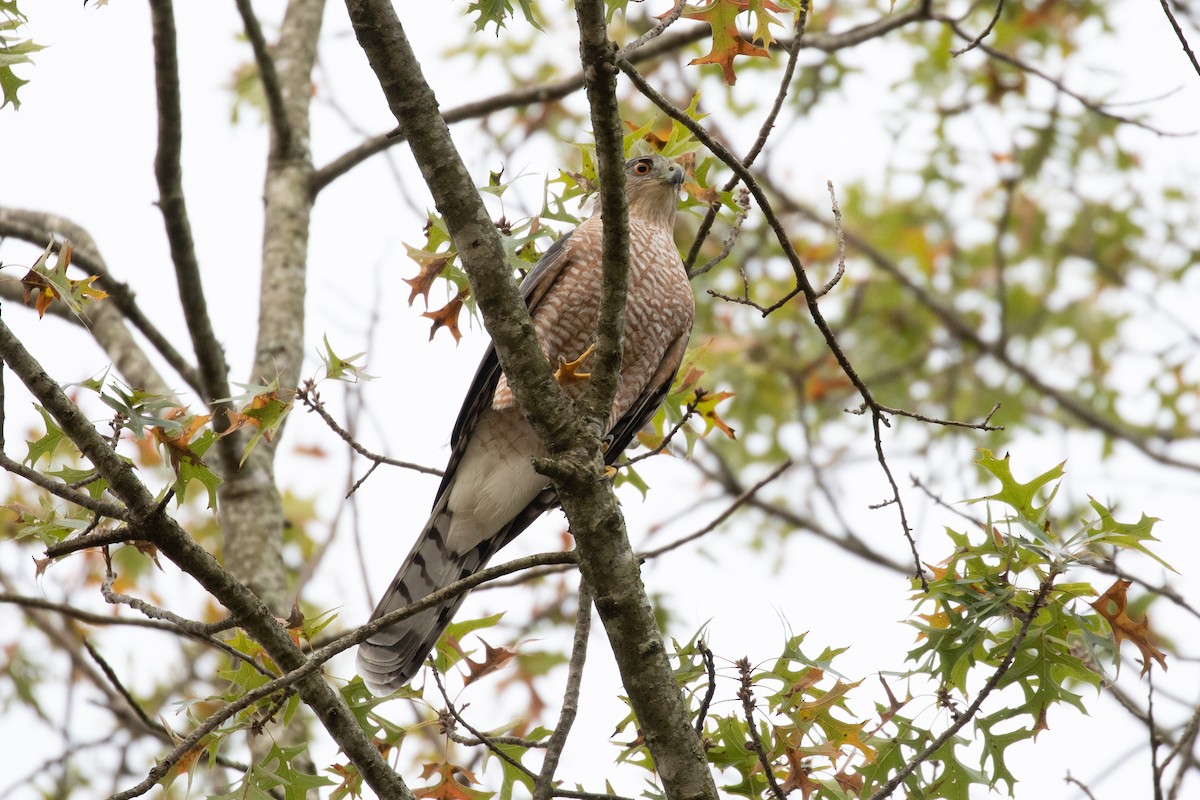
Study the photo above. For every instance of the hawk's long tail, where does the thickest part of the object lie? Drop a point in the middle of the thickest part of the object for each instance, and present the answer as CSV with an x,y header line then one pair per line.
x,y
390,658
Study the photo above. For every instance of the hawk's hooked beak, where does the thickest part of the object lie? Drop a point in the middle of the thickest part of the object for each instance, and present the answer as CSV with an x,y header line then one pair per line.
x,y
675,176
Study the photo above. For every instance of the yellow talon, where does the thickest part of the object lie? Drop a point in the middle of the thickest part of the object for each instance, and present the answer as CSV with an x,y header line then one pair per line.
x,y
568,371
609,470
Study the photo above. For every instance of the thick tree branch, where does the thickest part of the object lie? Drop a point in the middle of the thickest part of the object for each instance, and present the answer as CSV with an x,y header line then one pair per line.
x,y
251,510
597,54
575,463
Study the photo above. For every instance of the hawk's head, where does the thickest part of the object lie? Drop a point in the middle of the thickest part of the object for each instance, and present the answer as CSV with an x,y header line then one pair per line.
x,y
652,185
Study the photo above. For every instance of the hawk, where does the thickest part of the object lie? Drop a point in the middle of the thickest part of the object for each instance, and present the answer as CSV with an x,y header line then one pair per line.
x,y
490,491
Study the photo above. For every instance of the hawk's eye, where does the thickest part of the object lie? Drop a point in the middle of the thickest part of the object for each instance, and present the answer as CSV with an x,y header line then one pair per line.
x,y
641,167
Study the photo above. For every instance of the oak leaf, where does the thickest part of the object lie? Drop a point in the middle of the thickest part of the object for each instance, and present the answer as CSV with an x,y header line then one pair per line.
x,y
797,777
45,285
447,316
1112,606
431,266
449,786
493,659
727,41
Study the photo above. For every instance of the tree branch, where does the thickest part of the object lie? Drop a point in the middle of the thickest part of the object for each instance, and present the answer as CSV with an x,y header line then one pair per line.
x,y
209,354
281,127
544,786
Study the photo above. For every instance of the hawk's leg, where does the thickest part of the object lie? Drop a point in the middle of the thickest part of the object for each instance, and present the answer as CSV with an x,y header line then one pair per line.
x,y
568,371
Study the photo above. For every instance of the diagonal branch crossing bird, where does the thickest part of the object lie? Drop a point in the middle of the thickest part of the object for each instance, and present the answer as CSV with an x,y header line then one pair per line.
x,y
490,491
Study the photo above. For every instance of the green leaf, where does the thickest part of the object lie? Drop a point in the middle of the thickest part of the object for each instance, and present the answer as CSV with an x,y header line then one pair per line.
x,y
1020,496
194,469
342,369
497,12
46,444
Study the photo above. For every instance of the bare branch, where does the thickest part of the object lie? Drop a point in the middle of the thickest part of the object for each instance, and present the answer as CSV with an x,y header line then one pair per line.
x,y
280,126
655,30
1179,35
1090,105
737,503
543,787
841,240
308,395
971,45
458,717
209,353
963,331
558,89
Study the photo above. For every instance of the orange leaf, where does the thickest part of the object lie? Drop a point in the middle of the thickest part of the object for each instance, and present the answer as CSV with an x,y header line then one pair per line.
x,y
447,316
797,777
727,41
493,659
431,267
450,787
1112,605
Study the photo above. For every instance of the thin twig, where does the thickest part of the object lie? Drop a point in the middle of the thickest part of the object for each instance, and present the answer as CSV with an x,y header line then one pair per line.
x,y
1082,787
307,394
688,412
120,687
1091,105
487,741
1187,741
746,695
1179,34
949,423
737,503
983,35
710,667
656,30
543,787
742,201
1152,732
841,240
